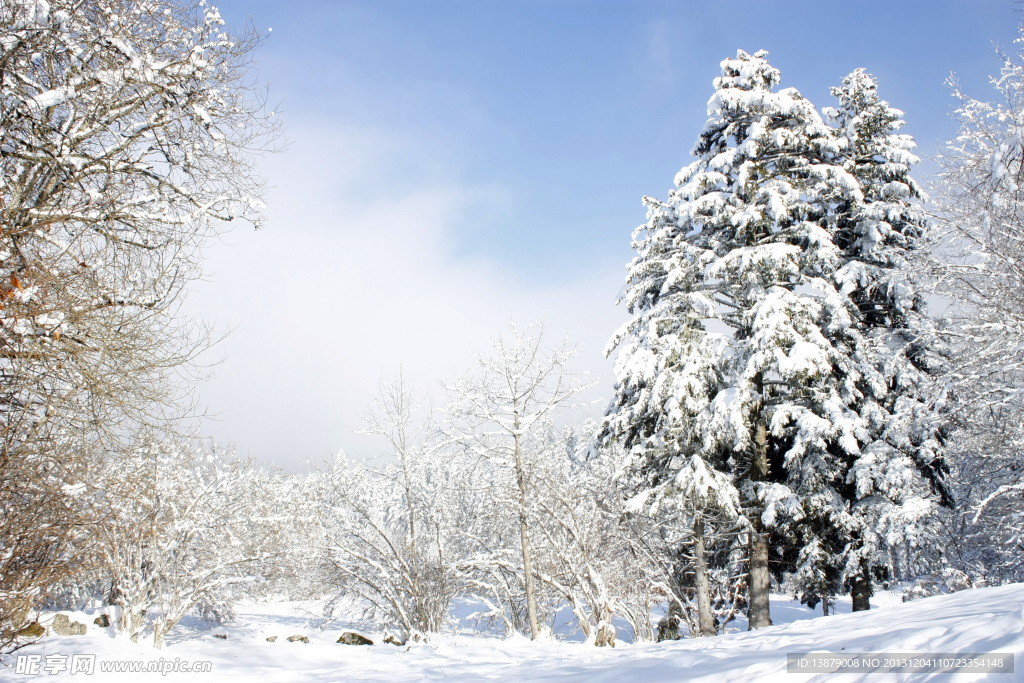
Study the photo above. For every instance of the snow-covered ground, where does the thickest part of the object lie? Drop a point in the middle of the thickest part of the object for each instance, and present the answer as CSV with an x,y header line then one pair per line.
x,y
977,621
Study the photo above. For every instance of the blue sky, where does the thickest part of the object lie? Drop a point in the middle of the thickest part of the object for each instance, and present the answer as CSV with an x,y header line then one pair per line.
x,y
454,165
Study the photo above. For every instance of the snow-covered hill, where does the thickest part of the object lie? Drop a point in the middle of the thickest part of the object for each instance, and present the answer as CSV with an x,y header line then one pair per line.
x,y
986,620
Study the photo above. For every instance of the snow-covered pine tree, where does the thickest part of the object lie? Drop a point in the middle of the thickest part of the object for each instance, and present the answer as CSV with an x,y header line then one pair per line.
x,y
900,463
737,351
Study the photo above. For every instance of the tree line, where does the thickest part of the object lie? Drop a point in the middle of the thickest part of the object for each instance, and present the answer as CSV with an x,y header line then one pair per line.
x,y
817,387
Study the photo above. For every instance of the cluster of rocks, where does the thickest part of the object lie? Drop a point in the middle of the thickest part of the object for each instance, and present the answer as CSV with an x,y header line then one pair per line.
x,y
63,626
60,626
347,638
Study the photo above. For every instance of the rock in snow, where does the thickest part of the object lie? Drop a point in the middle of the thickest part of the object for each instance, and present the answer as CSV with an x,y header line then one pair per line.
x,y
63,626
353,638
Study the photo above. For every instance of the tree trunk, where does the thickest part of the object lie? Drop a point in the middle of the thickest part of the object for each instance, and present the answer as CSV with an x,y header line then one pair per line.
x,y
158,635
668,627
531,589
605,632
700,567
524,537
759,612
861,590
419,615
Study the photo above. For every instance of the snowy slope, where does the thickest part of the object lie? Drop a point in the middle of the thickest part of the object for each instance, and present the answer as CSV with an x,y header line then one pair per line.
x,y
983,620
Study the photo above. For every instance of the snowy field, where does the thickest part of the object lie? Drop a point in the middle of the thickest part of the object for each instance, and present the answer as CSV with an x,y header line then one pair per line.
x,y
976,621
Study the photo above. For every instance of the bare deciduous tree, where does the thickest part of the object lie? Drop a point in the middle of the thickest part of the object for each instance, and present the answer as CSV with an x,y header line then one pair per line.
x,y
495,408
128,132
185,537
979,199
387,528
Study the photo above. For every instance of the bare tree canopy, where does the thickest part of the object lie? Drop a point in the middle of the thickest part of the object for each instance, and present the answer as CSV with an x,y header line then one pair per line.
x,y
129,132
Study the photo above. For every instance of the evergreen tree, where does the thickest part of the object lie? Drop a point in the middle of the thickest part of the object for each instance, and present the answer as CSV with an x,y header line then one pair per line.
x,y
729,356
776,338
887,482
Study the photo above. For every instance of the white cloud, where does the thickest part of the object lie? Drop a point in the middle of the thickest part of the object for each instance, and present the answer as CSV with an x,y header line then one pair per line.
x,y
661,65
340,287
